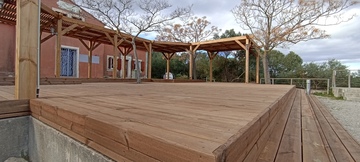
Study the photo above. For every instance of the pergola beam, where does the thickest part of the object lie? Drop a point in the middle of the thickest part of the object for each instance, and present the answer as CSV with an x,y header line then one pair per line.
x,y
220,40
110,39
49,10
73,26
72,33
240,44
46,38
49,23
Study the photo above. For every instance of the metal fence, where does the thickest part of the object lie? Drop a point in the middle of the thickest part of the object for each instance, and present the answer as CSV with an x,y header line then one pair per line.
x,y
316,83
346,78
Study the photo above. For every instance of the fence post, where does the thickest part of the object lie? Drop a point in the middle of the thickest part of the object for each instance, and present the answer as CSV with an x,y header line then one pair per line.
x,y
328,86
349,80
333,78
273,81
308,84
291,81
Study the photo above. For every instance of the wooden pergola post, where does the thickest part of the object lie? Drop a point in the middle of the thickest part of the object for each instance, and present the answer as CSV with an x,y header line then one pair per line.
x,y
168,57
191,55
59,35
90,58
124,53
257,68
115,54
191,52
116,45
211,56
149,50
123,61
247,61
58,48
91,47
247,50
26,49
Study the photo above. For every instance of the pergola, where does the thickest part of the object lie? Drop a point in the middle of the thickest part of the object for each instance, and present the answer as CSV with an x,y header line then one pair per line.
x,y
26,12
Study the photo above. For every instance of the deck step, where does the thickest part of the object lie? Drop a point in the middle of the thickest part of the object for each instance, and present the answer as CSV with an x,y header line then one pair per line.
x,y
314,148
306,131
343,146
269,151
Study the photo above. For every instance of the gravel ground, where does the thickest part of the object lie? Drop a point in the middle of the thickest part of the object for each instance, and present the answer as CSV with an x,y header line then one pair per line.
x,y
346,112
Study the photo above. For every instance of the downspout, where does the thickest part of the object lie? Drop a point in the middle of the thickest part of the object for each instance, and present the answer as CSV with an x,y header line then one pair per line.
x,y
38,51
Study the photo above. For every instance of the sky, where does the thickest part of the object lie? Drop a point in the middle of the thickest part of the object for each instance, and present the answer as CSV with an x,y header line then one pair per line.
x,y
343,45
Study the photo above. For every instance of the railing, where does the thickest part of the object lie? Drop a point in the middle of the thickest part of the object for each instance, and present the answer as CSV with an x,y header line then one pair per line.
x,y
208,80
346,78
316,83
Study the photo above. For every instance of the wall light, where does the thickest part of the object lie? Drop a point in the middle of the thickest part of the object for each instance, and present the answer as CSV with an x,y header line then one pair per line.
x,y
52,30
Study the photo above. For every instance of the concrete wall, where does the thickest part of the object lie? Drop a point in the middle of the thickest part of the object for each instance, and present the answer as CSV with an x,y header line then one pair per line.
x,y
28,138
350,94
47,144
14,138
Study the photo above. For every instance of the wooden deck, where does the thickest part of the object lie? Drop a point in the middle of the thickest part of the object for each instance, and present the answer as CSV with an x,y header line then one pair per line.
x,y
9,81
155,121
194,122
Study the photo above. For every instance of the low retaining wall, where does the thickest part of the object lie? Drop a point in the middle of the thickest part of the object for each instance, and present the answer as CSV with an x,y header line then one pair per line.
x,y
14,137
28,138
350,94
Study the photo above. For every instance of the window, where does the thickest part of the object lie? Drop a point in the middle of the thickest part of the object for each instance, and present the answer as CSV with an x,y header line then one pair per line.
x,y
110,63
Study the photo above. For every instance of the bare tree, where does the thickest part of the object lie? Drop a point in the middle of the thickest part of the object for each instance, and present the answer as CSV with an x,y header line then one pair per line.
x,y
280,23
194,29
134,17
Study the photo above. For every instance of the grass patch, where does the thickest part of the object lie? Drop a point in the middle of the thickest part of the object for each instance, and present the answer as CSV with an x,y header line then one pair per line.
x,y
330,95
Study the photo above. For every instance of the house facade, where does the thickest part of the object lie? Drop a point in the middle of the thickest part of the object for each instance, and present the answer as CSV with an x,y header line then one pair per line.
x,y
74,55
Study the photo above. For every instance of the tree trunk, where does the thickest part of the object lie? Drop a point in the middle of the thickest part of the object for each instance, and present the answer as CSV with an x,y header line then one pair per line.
x,y
266,67
137,67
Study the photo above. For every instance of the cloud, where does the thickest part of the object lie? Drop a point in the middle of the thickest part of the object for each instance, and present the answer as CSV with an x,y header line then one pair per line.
x,y
343,45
